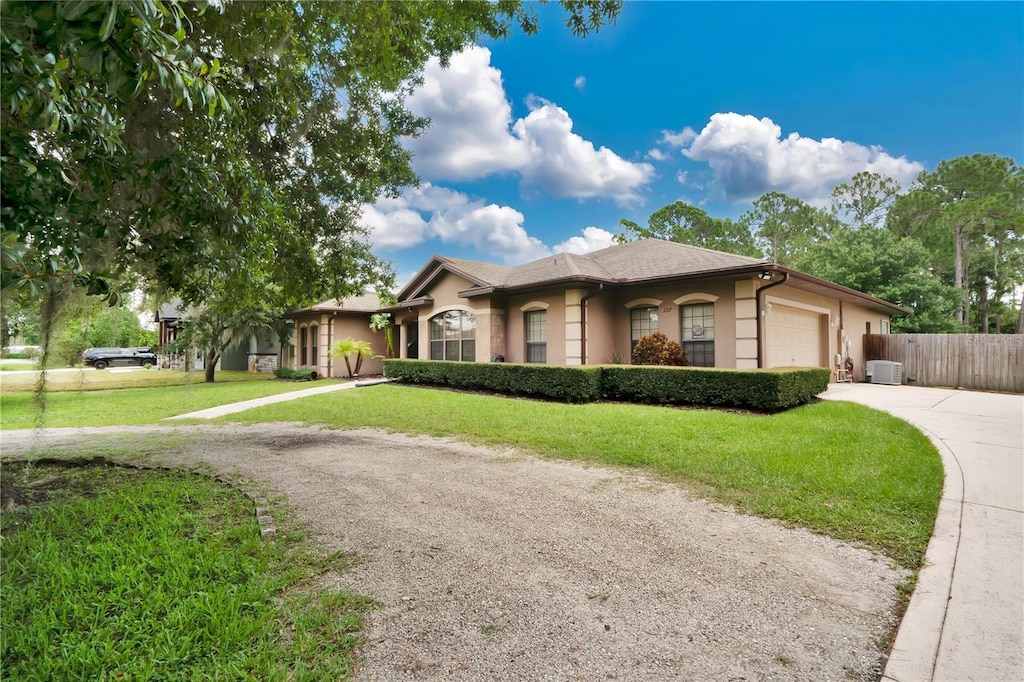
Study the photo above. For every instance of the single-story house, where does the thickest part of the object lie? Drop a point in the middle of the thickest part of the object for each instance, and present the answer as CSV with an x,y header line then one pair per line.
x,y
320,326
257,352
725,310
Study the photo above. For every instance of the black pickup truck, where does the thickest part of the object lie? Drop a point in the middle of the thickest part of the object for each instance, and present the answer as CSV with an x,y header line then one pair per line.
x,y
101,358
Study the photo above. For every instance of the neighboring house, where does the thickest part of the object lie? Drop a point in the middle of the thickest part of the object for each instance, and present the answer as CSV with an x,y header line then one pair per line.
x,y
726,310
320,326
258,352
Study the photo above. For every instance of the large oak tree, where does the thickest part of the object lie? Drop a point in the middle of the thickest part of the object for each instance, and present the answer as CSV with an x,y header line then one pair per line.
x,y
215,150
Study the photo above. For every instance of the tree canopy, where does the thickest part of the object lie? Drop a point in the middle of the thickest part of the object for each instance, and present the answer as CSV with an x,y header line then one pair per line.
x,y
215,148
969,214
688,224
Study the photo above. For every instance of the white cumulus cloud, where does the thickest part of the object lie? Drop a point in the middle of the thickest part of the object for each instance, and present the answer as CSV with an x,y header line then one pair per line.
x,y
592,239
473,135
580,83
431,212
748,157
495,232
470,119
678,139
566,165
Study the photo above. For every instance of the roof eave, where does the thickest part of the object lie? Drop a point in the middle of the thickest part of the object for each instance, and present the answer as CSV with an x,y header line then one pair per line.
x,y
410,303
850,293
476,292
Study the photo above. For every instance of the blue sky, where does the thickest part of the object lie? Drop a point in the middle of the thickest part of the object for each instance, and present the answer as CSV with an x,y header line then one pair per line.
x,y
541,144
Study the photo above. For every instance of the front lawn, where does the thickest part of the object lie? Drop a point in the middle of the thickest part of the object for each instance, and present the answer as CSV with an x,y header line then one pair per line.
x,y
133,406
838,468
119,574
17,366
118,377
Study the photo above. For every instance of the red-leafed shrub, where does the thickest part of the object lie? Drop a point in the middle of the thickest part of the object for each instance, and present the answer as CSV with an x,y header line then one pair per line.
x,y
656,349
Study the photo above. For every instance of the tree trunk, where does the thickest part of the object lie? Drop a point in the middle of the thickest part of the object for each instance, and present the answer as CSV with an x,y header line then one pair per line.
x,y
212,356
958,272
967,298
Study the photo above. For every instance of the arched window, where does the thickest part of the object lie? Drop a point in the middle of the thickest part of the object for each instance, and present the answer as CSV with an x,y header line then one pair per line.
x,y
314,344
303,345
453,336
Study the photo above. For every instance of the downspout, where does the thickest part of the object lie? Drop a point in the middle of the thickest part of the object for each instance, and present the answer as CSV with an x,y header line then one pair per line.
x,y
760,317
583,323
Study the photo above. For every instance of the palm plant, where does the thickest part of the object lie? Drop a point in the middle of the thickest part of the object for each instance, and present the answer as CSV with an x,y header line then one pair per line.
x,y
345,348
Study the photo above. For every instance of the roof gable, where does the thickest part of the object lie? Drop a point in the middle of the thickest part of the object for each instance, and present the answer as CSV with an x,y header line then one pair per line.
x,y
476,273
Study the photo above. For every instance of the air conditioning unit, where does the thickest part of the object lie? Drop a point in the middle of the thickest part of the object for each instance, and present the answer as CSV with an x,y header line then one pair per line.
x,y
885,372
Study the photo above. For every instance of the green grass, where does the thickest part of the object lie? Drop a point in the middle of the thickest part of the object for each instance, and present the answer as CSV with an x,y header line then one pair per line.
x,y
17,366
146,575
838,468
132,406
103,380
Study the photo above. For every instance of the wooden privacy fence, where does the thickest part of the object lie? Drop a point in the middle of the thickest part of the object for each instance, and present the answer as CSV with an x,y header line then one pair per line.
x,y
983,362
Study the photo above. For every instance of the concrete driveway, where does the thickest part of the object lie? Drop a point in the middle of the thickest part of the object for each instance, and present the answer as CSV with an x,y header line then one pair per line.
x,y
966,617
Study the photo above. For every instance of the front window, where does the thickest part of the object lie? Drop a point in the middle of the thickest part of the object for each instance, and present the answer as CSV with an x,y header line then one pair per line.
x,y
453,336
698,334
314,344
303,340
537,336
642,321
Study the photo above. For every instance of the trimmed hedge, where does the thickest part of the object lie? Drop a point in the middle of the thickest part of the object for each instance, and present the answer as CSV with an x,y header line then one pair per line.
x,y
568,384
761,390
296,374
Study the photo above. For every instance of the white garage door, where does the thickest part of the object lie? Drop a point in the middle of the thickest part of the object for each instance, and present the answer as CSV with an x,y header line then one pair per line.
x,y
794,338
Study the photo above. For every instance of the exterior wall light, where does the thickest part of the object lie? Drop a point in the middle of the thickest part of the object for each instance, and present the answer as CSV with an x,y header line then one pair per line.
x,y
766,275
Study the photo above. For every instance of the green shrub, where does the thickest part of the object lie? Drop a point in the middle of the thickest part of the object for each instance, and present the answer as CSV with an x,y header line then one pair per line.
x,y
763,390
656,349
568,384
16,356
296,374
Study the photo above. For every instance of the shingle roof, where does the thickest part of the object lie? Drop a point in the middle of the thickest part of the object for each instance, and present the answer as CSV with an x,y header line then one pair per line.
x,y
362,303
654,258
632,262
629,262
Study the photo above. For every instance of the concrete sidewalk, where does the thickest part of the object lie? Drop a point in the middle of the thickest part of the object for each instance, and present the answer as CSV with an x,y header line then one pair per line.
x,y
232,408
966,617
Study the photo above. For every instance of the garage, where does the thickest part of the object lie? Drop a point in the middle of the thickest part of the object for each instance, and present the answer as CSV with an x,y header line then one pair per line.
x,y
794,338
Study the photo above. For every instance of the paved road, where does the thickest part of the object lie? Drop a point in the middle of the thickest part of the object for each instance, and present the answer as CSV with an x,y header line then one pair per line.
x,y
966,617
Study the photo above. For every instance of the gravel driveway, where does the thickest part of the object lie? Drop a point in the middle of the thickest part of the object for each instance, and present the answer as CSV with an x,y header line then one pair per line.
x,y
498,565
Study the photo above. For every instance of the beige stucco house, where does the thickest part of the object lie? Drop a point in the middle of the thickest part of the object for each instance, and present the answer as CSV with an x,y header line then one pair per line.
x,y
726,310
318,327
